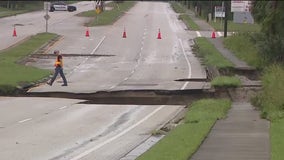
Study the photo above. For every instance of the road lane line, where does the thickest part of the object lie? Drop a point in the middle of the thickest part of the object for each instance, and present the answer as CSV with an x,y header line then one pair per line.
x,y
188,64
220,34
116,136
94,50
62,107
25,120
98,45
198,34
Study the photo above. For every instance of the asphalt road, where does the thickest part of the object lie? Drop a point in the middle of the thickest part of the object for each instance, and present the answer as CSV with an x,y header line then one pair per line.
x,y
54,128
138,62
49,128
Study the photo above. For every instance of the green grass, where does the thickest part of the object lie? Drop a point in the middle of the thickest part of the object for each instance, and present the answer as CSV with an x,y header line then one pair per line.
x,y
189,22
226,81
271,98
211,55
14,74
235,27
277,140
177,7
6,12
27,8
184,140
244,49
108,17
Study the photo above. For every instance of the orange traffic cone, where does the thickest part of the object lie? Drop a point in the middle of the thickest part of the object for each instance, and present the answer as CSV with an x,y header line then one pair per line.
x,y
213,35
87,33
14,32
159,35
124,34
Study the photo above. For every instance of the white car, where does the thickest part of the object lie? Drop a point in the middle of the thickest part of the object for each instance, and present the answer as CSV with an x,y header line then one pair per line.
x,y
61,6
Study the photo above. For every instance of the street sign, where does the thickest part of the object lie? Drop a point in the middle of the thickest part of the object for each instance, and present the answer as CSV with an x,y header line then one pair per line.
x,y
240,6
46,6
219,11
46,17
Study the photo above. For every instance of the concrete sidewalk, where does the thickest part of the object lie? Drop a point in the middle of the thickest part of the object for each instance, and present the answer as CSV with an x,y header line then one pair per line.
x,y
218,43
243,135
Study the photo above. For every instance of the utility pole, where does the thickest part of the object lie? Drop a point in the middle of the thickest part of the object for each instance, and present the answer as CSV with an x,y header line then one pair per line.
x,y
46,16
226,18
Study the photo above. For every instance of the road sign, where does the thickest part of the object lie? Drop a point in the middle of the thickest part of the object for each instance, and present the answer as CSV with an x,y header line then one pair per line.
x,y
219,11
46,5
46,17
241,6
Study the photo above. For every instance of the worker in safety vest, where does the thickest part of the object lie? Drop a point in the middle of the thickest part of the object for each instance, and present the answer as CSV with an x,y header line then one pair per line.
x,y
58,69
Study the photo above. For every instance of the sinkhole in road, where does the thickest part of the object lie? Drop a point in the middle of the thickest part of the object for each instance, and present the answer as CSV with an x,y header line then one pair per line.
x,y
138,97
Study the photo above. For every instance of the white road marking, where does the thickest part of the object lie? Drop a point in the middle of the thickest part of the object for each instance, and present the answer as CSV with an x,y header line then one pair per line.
x,y
62,107
188,64
220,34
94,50
117,136
25,120
112,87
198,34
98,45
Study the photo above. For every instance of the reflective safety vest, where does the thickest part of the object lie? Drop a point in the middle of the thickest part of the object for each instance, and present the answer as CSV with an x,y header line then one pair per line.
x,y
59,61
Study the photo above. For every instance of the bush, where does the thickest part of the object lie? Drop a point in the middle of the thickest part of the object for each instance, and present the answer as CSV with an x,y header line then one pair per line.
x,y
271,100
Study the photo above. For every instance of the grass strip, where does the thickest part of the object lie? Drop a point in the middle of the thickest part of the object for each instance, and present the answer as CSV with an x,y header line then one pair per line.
x,y
185,139
226,81
210,54
14,74
30,7
244,49
235,27
108,17
271,102
177,7
189,22
277,141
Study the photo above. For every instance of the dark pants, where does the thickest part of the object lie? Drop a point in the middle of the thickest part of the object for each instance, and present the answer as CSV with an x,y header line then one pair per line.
x,y
60,71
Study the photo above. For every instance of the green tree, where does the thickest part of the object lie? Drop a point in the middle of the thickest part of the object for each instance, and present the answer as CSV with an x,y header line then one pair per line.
x,y
270,41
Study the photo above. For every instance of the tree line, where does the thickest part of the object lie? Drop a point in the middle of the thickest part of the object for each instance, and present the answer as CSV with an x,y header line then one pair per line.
x,y
14,5
268,14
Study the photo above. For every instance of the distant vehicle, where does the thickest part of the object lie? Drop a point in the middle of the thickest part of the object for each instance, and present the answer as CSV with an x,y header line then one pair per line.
x,y
61,6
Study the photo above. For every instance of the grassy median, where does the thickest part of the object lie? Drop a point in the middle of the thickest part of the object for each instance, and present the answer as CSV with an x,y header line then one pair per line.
x,y
178,8
108,16
14,74
210,54
185,139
